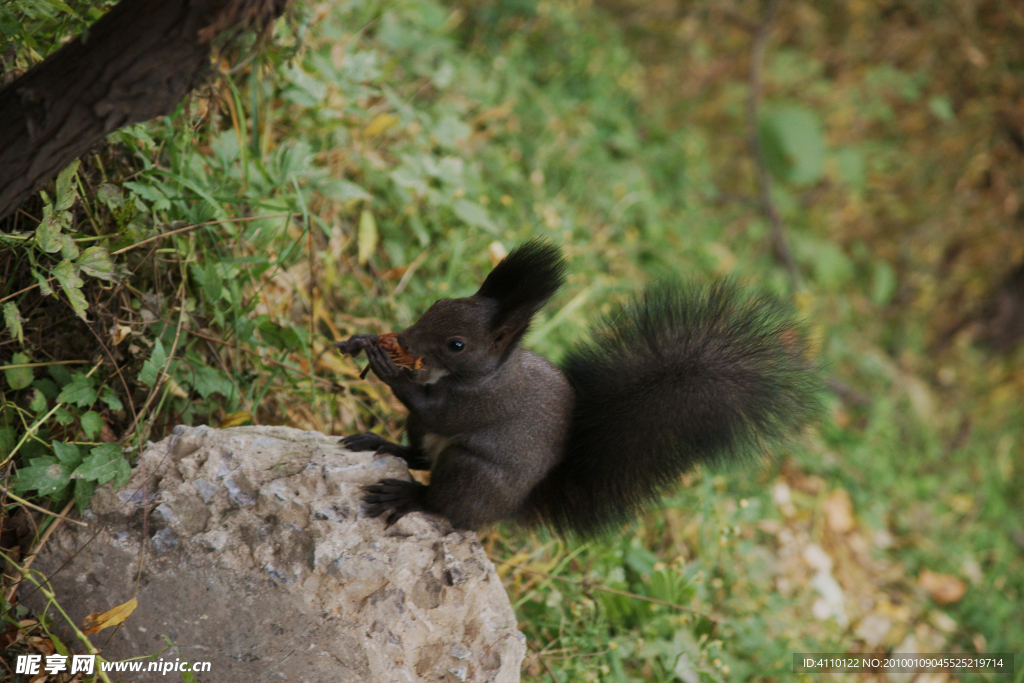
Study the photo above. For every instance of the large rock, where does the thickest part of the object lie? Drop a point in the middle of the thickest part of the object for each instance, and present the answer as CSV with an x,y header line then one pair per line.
x,y
257,559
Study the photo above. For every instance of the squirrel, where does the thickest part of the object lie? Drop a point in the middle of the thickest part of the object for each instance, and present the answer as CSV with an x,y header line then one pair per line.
x,y
684,375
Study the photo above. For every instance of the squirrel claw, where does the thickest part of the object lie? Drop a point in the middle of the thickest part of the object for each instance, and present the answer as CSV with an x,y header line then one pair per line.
x,y
393,497
368,441
356,343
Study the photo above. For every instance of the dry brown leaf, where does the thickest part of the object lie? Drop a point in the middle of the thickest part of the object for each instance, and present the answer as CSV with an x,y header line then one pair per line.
x,y
944,588
115,616
839,511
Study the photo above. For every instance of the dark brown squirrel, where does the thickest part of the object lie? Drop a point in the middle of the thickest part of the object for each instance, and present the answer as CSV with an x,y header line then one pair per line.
x,y
683,375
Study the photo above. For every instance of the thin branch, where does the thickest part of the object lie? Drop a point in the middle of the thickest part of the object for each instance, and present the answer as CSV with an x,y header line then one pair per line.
x,y
199,225
764,180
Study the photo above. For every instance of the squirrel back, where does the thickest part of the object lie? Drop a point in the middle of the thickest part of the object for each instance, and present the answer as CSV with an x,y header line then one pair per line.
x,y
681,376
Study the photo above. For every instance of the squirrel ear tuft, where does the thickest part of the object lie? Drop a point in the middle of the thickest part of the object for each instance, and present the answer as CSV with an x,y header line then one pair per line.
x,y
522,282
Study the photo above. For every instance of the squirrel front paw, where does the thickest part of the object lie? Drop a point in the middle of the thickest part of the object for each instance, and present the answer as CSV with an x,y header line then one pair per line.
x,y
356,343
367,441
394,497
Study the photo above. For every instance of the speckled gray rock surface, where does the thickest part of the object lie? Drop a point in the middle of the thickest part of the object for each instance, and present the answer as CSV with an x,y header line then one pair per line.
x,y
258,560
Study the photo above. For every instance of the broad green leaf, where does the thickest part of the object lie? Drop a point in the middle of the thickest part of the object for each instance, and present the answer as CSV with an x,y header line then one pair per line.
x,y
794,144
110,397
883,283
38,402
44,284
149,193
92,424
367,237
60,374
68,248
152,368
83,493
66,192
67,453
111,195
207,381
474,215
71,283
284,338
13,320
212,284
80,392
343,190
18,378
104,463
95,261
850,163
8,440
48,235
45,475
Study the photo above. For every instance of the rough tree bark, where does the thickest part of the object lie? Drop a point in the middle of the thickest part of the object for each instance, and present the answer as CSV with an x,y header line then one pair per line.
x,y
132,65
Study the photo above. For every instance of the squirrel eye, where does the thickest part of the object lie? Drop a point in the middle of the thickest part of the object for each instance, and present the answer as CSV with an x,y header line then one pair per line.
x,y
456,345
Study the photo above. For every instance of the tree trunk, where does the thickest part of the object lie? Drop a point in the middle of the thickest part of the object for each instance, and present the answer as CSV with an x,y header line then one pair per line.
x,y
132,65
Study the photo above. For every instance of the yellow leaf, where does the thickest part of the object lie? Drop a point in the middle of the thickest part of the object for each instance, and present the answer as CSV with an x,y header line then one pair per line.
x,y
367,237
379,124
236,419
175,389
97,621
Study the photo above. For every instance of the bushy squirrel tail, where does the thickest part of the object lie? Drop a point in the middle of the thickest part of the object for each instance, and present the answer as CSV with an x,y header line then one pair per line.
x,y
685,375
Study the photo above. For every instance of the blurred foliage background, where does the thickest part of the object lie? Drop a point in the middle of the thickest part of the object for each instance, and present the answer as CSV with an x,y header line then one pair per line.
x,y
865,159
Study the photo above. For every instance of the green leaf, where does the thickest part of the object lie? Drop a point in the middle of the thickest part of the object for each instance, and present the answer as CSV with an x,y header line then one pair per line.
x,y
66,192
367,237
110,397
152,368
79,392
474,215
150,194
44,284
48,235
45,475
38,403
71,283
13,320
794,144
212,284
850,163
67,453
104,463
18,378
92,424
343,190
60,374
207,381
68,248
8,440
883,283
48,387
284,338
111,195
95,261
63,416
83,493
